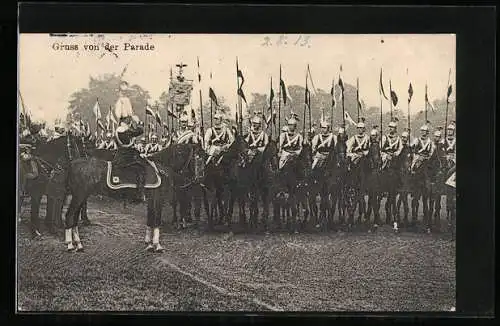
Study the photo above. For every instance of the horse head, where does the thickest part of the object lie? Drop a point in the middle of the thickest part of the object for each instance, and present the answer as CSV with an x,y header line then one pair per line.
x,y
374,158
418,163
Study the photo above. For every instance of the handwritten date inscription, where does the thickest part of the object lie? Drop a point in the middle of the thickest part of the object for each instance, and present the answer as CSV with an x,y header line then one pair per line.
x,y
283,40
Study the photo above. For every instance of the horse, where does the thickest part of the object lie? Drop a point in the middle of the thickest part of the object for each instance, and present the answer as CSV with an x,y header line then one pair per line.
x,y
291,185
323,175
186,167
355,188
422,171
90,175
404,189
438,187
373,184
390,180
220,182
337,181
254,175
49,158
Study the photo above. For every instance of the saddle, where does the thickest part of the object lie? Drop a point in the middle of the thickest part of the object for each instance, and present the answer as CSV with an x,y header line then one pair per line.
x,y
285,158
123,173
28,167
319,160
386,160
216,154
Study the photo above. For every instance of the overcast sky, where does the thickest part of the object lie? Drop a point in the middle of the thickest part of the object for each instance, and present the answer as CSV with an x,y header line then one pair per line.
x,y
47,77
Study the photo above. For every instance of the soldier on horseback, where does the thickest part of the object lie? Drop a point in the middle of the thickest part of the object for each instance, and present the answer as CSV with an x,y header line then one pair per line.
x,y
140,145
358,145
422,146
322,144
290,142
108,143
153,147
218,139
129,128
391,145
185,134
449,143
59,131
256,139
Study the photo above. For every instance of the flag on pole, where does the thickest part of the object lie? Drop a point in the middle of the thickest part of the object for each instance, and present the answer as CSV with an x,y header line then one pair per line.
x,y
199,75
394,97
450,89
311,80
212,96
271,96
427,102
158,117
97,110
150,112
347,116
381,86
284,92
239,74
332,92
410,92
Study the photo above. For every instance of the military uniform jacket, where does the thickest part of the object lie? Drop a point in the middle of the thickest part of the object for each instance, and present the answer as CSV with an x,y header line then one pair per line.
x,y
186,136
423,147
218,138
392,144
323,143
257,140
450,145
125,136
140,148
358,144
291,142
153,148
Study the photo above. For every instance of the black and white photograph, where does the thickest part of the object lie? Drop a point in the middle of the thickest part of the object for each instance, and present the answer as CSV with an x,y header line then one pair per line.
x,y
236,172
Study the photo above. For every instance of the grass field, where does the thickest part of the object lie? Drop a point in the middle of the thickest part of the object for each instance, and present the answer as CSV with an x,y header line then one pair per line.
x,y
220,271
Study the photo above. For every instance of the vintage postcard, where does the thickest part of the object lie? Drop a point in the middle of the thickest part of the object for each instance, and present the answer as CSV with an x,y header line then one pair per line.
x,y
236,172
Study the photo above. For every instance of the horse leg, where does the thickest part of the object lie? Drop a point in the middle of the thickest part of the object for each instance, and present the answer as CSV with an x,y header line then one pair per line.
x,y
265,207
197,204
362,207
154,206
71,222
50,214
35,210
294,213
83,214
415,197
426,199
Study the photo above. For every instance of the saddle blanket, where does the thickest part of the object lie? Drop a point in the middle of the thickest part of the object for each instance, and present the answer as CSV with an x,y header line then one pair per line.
x,y
386,160
319,160
355,158
120,178
451,181
285,157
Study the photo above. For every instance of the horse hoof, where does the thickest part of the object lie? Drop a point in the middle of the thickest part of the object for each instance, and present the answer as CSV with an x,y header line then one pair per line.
x,y
80,249
86,222
36,234
428,230
159,249
150,248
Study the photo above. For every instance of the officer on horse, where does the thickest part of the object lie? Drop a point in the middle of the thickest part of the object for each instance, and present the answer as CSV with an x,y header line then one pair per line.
x,y
290,142
358,145
154,146
108,143
422,146
129,127
450,143
322,144
217,139
391,145
256,139
185,134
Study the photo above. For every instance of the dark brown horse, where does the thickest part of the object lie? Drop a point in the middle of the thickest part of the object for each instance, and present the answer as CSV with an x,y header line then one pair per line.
x,y
220,181
90,175
185,163
51,159
254,174
404,189
373,184
423,173
291,187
